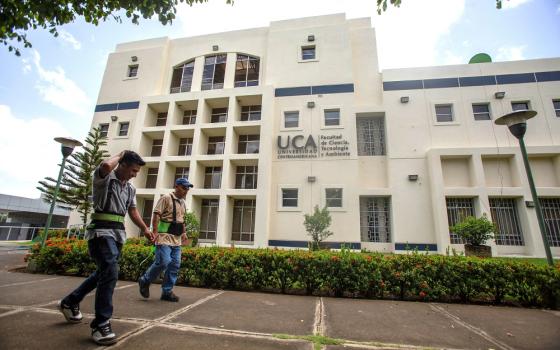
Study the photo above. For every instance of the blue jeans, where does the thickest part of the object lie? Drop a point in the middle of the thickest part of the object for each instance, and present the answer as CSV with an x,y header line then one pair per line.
x,y
168,258
105,251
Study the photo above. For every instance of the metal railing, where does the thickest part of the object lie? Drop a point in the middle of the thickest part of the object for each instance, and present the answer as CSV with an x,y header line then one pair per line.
x,y
21,233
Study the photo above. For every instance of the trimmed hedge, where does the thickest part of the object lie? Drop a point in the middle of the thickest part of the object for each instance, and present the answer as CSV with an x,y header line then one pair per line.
x,y
413,276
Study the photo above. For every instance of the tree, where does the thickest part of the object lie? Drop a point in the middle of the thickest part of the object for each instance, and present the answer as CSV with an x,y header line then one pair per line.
x,y
382,5
316,226
18,16
192,227
475,231
76,184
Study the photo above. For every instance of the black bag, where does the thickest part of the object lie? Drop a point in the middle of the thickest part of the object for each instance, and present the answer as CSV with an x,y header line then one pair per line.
x,y
175,228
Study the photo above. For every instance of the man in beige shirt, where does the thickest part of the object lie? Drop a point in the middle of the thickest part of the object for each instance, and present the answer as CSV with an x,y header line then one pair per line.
x,y
168,233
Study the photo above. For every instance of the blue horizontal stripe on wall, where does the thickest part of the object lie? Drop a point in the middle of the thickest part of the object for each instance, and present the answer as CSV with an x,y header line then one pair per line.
x,y
472,81
117,106
314,90
304,244
420,246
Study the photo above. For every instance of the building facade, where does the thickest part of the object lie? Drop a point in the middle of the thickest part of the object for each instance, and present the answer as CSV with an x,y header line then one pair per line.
x,y
269,122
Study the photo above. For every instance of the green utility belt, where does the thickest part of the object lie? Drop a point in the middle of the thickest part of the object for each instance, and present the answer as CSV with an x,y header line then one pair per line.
x,y
107,217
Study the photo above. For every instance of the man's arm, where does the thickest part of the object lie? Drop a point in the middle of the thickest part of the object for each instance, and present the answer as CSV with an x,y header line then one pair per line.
x,y
137,220
109,164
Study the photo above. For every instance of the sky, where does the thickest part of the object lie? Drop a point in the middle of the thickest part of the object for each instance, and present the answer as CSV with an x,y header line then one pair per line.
x,y
51,89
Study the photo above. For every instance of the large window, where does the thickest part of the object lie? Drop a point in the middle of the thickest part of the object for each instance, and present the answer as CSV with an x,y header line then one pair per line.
x,y
214,72
246,177
444,113
481,111
161,119
180,172
246,71
185,146
189,117
250,113
147,211
219,115
182,78
333,197
290,197
375,219
103,130
504,215
123,128
209,219
248,144
243,226
291,119
212,177
216,145
371,136
151,178
457,210
520,106
332,117
156,148
556,105
551,214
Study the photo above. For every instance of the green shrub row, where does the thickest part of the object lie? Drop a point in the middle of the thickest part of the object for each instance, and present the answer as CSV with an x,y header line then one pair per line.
x,y
412,276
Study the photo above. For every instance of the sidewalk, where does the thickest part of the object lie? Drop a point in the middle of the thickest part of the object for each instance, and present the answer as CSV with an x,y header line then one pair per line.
x,y
216,319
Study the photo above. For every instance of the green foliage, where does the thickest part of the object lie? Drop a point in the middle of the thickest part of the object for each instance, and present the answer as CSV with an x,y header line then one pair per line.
x,y
77,181
475,231
317,226
382,5
413,276
17,17
192,227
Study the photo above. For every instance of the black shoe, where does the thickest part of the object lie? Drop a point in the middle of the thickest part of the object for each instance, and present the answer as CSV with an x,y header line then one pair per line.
x,y
103,335
144,288
71,312
170,297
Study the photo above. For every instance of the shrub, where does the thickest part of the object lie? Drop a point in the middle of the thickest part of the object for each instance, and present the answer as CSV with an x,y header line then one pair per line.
x,y
317,226
475,231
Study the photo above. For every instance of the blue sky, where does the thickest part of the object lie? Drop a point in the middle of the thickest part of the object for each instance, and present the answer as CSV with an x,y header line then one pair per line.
x,y
51,90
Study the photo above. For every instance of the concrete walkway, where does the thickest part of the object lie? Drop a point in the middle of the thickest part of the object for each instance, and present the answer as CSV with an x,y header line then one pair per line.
x,y
216,319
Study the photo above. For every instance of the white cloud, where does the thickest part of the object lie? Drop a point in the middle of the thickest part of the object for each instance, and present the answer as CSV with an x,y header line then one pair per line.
x,y
69,38
451,58
54,87
511,4
28,152
511,53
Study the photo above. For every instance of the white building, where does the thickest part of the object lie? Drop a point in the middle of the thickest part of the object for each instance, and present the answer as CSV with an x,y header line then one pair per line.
x,y
269,122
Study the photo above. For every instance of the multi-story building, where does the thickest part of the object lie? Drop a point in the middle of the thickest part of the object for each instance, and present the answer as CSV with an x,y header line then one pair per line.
x,y
270,122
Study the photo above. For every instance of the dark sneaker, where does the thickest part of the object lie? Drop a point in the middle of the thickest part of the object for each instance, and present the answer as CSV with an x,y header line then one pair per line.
x,y
144,288
71,312
103,335
170,297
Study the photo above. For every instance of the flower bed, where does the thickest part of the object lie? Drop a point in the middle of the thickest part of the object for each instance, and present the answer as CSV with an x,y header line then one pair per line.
x,y
413,276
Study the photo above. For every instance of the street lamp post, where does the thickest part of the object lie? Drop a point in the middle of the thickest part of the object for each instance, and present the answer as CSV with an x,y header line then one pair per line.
x,y
67,146
517,124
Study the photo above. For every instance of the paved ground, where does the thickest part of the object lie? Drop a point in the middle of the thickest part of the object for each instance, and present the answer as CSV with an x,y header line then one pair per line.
x,y
215,319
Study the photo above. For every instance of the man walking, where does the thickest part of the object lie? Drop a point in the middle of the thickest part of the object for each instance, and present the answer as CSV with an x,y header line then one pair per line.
x,y
113,197
169,229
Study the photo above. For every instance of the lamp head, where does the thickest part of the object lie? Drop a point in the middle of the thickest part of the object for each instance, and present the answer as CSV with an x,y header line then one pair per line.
x,y
67,145
516,121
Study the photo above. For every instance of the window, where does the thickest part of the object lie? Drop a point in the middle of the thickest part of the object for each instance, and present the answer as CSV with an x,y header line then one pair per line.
x,y
290,197
551,214
248,144
147,211
132,71
181,81
333,197
250,113
151,178
246,71
375,219
180,172
161,119
520,106
185,146
189,117
556,104
212,177
103,130
216,145
123,128
246,177
457,210
214,71
371,136
243,226
209,219
156,148
291,119
504,215
481,111
332,117
444,113
219,115
308,52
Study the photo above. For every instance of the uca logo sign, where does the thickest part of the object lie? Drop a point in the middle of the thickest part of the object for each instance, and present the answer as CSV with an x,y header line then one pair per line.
x,y
305,146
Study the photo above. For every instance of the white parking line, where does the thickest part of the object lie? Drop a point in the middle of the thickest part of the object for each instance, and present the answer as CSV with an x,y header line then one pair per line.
x,y
29,282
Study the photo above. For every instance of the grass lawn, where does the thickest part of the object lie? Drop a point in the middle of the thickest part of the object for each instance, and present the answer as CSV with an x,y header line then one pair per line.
x,y
536,261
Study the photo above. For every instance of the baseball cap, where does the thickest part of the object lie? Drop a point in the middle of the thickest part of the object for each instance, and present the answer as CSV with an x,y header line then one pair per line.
x,y
183,182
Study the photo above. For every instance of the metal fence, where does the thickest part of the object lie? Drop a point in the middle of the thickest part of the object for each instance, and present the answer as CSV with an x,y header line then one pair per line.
x,y
21,233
